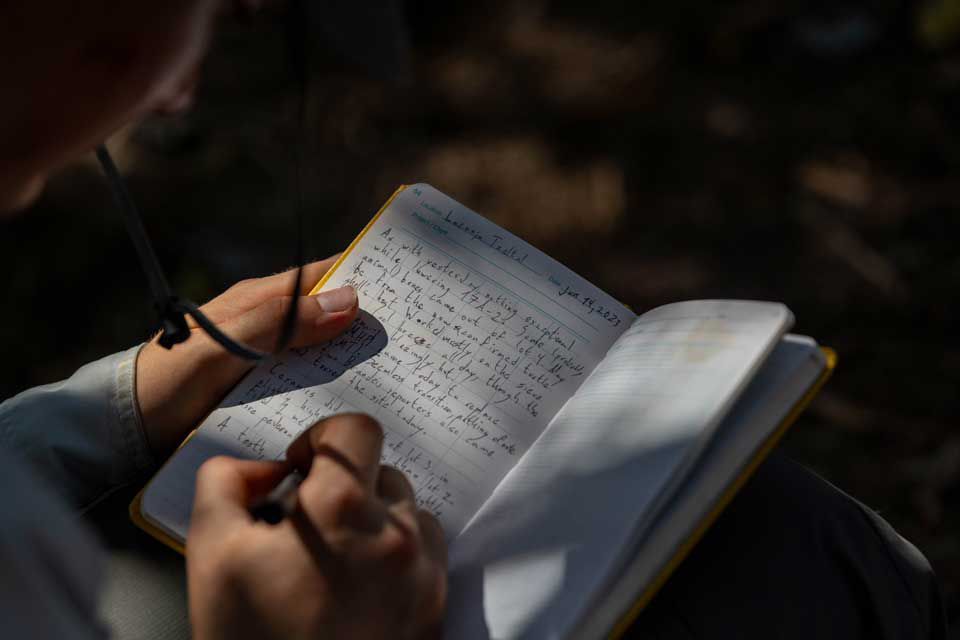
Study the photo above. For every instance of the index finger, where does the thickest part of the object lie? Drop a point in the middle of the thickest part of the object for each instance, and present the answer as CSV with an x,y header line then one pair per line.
x,y
352,440
279,283
226,486
249,294
313,272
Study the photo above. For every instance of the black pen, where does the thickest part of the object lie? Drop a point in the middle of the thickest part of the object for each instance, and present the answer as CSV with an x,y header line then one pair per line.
x,y
281,502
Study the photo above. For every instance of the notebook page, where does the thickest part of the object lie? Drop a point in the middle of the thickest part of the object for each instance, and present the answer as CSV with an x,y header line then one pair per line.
x,y
469,342
791,370
555,527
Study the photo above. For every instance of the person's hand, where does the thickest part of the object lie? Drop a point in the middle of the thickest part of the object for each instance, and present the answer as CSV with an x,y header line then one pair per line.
x,y
357,559
176,388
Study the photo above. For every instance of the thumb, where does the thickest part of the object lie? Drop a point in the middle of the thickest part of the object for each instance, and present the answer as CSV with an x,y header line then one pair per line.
x,y
226,487
320,318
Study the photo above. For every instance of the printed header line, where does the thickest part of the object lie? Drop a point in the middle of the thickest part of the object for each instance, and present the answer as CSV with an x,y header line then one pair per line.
x,y
525,283
515,277
495,283
435,211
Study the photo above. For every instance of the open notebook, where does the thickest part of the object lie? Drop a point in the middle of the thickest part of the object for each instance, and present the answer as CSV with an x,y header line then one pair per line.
x,y
572,450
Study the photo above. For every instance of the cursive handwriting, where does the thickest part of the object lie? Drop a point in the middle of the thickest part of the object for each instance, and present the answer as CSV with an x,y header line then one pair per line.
x,y
462,372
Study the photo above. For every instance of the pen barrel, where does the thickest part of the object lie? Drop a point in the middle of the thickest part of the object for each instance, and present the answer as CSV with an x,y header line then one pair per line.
x,y
280,503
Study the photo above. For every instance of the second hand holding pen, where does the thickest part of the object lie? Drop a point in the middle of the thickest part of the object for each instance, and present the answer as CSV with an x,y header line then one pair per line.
x,y
281,502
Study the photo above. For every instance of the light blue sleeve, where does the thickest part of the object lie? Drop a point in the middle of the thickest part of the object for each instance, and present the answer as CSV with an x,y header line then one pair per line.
x,y
53,570
82,435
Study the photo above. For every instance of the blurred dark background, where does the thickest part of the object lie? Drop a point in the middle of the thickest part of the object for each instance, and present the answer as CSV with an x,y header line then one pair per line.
x,y
796,151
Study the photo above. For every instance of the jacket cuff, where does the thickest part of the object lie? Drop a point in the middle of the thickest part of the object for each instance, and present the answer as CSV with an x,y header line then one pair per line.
x,y
131,437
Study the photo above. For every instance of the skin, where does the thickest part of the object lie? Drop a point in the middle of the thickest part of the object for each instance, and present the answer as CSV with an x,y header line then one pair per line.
x,y
251,311
358,559
111,62
335,567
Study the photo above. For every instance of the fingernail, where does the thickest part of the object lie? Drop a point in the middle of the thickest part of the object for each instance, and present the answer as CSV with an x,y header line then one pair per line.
x,y
335,300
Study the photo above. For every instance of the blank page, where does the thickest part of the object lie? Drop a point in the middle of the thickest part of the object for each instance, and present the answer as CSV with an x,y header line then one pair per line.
x,y
469,342
556,526
789,372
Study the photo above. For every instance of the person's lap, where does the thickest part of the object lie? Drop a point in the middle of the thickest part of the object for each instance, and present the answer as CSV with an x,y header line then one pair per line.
x,y
794,557
145,595
791,556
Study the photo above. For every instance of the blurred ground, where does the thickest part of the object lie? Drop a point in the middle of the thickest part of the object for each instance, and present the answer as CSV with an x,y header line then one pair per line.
x,y
806,153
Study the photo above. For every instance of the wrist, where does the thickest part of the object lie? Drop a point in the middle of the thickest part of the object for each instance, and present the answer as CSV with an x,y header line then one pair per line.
x,y
176,387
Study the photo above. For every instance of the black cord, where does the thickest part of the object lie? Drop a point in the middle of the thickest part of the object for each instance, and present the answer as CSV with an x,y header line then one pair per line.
x,y
173,324
172,309
297,50
121,195
225,341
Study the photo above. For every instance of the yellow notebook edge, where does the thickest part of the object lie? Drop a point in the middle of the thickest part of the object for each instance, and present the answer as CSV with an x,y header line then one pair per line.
x,y
135,508
628,618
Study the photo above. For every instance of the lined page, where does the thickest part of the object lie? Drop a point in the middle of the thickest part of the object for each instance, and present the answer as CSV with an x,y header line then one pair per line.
x,y
558,523
468,344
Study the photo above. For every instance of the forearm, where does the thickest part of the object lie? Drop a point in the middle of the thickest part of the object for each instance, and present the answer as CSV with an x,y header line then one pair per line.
x,y
114,419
